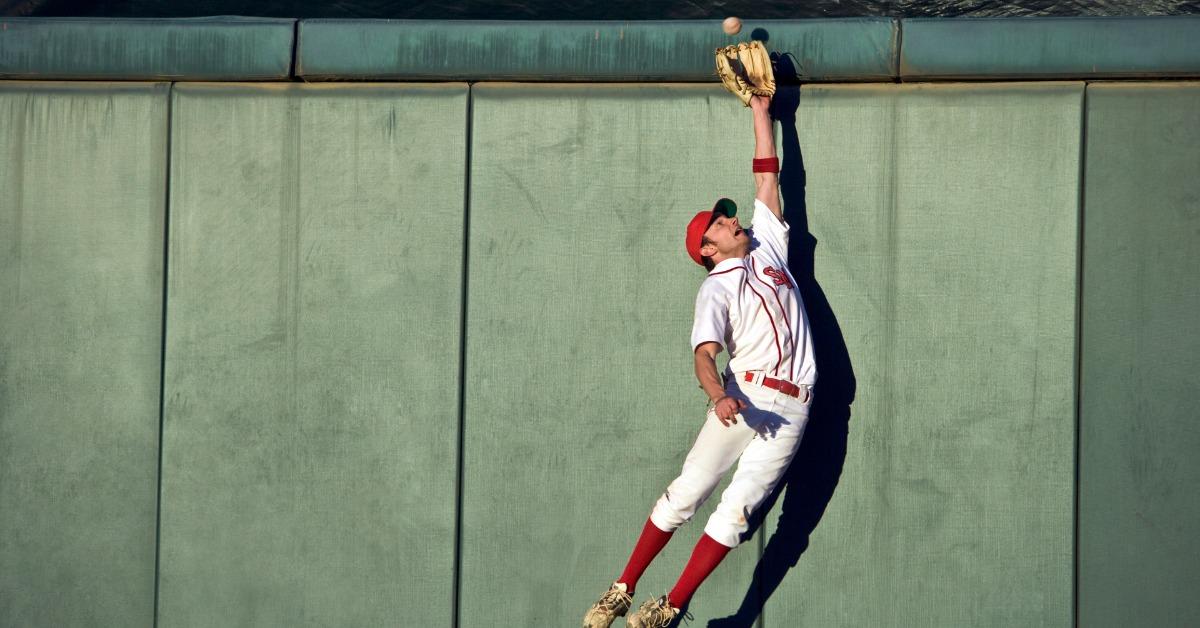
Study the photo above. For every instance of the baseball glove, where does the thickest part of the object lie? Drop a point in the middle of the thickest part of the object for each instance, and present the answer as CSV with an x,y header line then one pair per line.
x,y
745,69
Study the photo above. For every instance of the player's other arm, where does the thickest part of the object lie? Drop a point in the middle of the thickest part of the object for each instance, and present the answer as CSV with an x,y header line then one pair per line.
x,y
766,183
706,372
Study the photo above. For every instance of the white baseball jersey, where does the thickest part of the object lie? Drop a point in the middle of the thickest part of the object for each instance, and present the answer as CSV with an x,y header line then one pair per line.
x,y
751,307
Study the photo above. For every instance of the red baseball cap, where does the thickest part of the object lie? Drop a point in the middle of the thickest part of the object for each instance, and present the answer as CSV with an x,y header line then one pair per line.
x,y
700,223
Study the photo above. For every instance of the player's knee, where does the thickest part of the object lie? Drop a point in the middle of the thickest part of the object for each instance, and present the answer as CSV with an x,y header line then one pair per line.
x,y
667,516
749,493
682,498
731,519
726,530
691,490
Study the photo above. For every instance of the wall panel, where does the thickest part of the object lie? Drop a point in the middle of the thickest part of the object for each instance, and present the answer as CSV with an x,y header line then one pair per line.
x,y
935,484
581,401
82,176
311,426
1138,512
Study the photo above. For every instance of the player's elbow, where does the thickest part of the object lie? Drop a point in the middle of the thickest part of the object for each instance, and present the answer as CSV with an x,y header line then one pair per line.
x,y
766,179
768,189
706,352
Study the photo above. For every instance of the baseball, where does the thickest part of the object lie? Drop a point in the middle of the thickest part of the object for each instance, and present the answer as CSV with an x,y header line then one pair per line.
x,y
731,26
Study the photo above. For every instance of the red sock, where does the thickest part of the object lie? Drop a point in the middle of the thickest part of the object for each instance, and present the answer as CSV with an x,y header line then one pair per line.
x,y
648,546
704,560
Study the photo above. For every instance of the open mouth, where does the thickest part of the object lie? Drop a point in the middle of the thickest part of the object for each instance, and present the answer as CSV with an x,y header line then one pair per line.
x,y
737,233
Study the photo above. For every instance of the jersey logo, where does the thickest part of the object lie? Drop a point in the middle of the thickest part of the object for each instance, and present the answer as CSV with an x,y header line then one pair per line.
x,y
780,277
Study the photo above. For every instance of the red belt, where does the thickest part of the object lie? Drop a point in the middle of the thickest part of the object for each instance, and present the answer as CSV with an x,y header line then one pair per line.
x,y
781,385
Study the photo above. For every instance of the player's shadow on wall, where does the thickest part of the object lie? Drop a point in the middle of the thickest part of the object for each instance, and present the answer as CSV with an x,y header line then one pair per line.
x,y
812,478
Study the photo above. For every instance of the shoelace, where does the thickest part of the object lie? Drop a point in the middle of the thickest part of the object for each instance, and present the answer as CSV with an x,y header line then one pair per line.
x,y
662,615
612,601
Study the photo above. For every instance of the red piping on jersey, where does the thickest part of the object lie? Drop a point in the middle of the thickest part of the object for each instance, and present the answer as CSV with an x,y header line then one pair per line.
x,y
788,324
774,331
727,271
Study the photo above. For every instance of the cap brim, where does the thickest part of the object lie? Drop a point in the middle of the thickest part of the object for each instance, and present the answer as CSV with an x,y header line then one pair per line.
x,y
725,207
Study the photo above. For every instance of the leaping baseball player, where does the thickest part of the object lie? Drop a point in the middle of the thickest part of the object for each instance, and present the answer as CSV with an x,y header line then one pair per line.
x,y
748,305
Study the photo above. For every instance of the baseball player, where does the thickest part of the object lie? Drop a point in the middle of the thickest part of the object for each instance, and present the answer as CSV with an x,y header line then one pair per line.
x,y
749,306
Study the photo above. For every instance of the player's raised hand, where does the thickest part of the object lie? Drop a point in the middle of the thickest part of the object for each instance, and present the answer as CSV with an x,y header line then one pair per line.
x,y
727,409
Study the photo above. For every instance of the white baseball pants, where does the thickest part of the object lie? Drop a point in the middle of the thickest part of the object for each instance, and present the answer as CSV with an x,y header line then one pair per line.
x,y
762,442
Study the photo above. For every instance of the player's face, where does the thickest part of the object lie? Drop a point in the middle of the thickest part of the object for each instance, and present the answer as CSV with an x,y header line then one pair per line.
x,y
728,237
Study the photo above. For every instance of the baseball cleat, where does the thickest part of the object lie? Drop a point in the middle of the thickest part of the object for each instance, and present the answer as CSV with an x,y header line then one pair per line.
x,y
613,604
653,614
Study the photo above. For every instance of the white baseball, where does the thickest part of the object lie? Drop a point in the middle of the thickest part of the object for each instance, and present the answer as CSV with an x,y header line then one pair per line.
x,y
731,26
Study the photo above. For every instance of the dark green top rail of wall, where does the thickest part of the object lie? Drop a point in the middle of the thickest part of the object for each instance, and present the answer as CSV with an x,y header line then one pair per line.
x,y
1051,48
851,49
202,49
860,49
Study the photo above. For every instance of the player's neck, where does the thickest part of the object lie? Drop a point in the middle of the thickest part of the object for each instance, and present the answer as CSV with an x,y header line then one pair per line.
x,y
717,261
718,258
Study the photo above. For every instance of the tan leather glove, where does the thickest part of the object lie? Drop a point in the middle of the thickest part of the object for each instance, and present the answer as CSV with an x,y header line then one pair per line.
x,y
745,70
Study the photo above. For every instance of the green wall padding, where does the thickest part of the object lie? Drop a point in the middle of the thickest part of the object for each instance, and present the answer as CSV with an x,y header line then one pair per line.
x,y
580,399
81,256
1046,48
860,49
948,266
312,374
1138,434
942,299
210,48
311,426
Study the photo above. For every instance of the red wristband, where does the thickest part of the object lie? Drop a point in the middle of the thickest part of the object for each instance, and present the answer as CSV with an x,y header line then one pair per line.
x,y
766,164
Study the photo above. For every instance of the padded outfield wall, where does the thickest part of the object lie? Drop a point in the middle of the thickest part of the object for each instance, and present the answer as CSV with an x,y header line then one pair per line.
x,y
336,354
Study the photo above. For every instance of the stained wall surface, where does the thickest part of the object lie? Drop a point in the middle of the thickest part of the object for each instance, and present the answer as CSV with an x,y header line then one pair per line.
x,y
951,256
581,402
946,268
311,414
82,196
1138,469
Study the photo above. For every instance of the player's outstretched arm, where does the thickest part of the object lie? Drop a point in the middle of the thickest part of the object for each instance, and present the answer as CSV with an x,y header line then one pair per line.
x,y
766,183
706,372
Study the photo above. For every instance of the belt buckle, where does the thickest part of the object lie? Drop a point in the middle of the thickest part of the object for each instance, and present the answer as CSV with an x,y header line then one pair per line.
x,y
758,377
